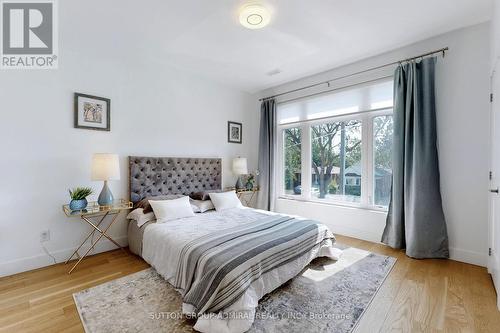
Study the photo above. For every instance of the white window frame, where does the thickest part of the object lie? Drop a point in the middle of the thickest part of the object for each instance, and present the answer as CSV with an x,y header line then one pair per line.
x,y
367,158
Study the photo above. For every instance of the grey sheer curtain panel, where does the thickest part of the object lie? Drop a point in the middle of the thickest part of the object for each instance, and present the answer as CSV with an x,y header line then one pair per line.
x,y
267,145
415,221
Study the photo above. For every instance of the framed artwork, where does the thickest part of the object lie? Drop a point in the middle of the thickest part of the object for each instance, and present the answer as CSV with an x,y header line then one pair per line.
x,y
92,112
234,132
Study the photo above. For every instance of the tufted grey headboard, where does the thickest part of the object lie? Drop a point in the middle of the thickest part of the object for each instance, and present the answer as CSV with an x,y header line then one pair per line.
x,y
153,176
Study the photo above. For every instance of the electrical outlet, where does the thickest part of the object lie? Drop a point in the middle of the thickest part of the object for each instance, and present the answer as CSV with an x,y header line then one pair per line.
x,y
45,236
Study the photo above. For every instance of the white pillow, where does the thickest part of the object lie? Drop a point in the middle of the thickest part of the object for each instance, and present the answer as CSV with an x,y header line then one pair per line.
x,y
225,200
201,206
138,216
168,210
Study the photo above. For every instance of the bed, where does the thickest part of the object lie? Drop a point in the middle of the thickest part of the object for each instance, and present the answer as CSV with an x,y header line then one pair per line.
x,y
221,262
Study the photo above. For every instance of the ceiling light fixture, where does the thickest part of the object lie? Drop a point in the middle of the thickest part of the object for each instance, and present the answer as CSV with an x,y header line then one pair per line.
x,y
254,17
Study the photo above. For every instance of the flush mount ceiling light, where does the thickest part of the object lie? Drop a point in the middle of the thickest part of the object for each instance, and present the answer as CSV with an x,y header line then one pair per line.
x,y
254,16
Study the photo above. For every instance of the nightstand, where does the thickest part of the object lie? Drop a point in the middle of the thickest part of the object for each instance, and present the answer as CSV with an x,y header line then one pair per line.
x,y
246,196
94,210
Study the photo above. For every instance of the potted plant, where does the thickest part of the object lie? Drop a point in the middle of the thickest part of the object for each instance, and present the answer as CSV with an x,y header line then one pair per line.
x,y
250,182
79,197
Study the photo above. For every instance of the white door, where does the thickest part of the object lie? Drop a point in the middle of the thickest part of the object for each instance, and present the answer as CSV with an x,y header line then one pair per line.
x,y
494,225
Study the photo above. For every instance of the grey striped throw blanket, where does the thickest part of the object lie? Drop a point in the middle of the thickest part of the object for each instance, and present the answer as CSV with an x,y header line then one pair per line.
x,y
216,269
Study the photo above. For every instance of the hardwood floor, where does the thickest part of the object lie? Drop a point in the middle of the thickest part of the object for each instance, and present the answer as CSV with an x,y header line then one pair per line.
x,y
417,296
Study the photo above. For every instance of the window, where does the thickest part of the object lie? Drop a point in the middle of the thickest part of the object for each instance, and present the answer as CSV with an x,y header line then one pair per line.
x,y
292,166
382,164
337,147
336,161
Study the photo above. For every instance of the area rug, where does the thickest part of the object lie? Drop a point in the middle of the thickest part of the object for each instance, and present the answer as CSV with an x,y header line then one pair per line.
x,y
328,296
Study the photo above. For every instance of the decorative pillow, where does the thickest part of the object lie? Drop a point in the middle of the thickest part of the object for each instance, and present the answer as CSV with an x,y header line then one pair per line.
x,y
225,200
201,206
203,195
168,210
144,203
138,216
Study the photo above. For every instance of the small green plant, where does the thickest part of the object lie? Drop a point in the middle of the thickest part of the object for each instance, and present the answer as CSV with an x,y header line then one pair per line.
x,y
80,193
250,181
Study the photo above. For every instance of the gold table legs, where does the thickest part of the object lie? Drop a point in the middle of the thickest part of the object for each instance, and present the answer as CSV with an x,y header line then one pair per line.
x,y
92,245
245,201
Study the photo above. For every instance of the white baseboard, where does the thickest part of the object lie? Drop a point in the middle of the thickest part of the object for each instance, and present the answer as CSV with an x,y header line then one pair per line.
x,y
469,257
355,233
42,259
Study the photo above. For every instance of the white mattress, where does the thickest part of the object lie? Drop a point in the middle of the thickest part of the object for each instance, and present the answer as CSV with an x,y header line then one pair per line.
x,y
162,244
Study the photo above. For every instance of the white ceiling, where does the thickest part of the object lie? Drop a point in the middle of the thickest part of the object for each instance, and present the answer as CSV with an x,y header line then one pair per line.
x,y
303,38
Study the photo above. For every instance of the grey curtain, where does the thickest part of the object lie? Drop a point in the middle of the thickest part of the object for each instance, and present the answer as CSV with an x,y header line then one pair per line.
x,y
267,143
415,221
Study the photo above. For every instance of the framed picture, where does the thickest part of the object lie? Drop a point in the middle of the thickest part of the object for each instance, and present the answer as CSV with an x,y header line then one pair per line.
x,y
234,132
92,112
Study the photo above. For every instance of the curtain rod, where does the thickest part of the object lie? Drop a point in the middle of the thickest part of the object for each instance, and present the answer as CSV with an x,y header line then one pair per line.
x,y
442,50
336,89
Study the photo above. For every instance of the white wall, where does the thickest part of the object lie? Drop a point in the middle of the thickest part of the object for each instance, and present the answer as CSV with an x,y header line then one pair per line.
x,y
156,111
463,132
495,34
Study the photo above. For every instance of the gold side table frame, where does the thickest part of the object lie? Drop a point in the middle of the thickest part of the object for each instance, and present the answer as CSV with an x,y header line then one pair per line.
x,y
241,193
94,210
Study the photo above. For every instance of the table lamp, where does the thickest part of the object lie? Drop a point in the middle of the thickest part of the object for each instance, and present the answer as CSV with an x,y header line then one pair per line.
x,y
240,168
105,167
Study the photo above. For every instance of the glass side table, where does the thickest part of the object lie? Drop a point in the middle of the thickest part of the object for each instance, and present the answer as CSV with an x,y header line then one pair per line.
x,y
245,195
94,210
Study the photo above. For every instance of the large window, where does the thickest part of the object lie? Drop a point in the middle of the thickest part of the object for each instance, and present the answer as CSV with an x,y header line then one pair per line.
x,y
337,147
382,164
336,161
292,167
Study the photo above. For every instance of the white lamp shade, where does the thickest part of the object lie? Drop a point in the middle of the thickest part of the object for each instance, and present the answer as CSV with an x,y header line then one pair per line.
x,y
240,166
105,167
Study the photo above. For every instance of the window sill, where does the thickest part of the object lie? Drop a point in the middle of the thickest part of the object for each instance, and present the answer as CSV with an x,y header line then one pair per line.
x,y
378,209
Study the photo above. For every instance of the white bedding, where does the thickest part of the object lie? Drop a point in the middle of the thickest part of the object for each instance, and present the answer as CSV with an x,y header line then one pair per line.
x,y
163,242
